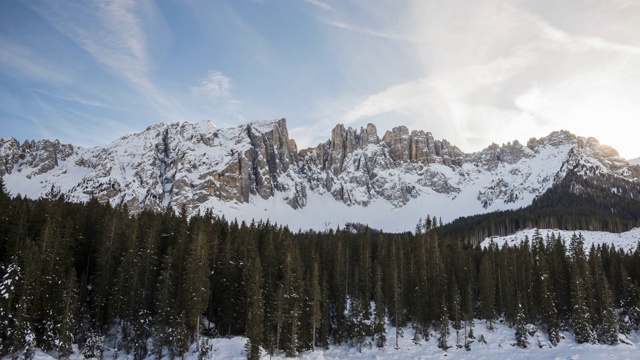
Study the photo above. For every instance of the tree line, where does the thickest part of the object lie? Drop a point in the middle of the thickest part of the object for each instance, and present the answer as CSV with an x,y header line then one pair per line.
x,y
96,276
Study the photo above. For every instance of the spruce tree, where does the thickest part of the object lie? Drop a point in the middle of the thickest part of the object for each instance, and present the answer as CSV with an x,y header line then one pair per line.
x,y
609,319
255,315
379,319
67,324
196,287
580,316
487,291
630,303
544,290
469,315
456,309
443,325
314,300
521,329
357,322
394,271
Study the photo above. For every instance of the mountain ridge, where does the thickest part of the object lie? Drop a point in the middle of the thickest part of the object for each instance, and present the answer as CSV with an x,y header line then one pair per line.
x,y
248,171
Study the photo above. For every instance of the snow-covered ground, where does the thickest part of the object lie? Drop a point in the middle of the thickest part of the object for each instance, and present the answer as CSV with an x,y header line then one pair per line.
x,y
627,241
500,344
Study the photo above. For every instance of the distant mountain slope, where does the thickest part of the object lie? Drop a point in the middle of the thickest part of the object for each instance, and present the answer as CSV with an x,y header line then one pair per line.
x,y
627,241
255,171
635,161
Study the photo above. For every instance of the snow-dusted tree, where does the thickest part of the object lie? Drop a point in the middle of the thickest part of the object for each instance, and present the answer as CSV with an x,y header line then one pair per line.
x,y
580,317
521,328
314,301
546,294
94,347
609,319
443,325
164,306
469,315
630,303
10,285
67,323
379,316
456,309
357,322
255,304
487,290
395,285
196,284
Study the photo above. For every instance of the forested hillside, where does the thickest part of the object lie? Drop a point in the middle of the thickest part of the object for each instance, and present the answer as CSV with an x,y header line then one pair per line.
x,y
92,275
575,203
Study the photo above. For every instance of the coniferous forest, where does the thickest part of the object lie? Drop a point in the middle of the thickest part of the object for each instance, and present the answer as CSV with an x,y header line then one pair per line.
x,y
96,276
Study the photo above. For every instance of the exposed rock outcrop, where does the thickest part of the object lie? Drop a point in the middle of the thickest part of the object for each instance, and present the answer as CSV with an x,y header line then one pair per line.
x,y
199,166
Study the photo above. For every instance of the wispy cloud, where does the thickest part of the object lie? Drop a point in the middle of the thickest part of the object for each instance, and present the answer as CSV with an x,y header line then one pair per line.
x,y
367,31
578,43
483,69
214,85
73,98
18,58
113,34
321,4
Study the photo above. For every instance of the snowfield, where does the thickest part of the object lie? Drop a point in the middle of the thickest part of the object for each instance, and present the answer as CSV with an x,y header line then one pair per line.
x,y
500,344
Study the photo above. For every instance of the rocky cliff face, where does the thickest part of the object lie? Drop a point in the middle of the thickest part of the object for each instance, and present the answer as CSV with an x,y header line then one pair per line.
x,y
193,164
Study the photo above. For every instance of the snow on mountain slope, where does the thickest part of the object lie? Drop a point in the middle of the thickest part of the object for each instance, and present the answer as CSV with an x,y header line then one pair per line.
x,y
255,171
635,161
626,241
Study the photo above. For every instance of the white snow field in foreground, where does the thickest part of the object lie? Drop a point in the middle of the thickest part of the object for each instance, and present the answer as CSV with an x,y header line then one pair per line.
x,y
500,344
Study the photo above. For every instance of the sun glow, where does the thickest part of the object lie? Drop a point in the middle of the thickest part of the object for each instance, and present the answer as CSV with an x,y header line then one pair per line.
x,y
612,120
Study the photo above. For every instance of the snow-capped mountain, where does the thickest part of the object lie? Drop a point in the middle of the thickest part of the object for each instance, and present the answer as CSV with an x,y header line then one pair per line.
x,y
255,171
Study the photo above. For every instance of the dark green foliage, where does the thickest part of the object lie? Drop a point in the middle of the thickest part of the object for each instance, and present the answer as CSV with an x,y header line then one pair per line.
x,y
580,315
521,329
487,290
78,273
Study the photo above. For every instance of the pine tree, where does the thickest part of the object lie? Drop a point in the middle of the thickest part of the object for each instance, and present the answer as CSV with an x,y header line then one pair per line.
x,y
164,308
358,327
609,320
580,316
196,288
521,329
291,296
67,324
487,290
379,331
394,271
419,227
20,330
469,315
255,315
10,285
546,293
630,303
456,310
443,325
314,299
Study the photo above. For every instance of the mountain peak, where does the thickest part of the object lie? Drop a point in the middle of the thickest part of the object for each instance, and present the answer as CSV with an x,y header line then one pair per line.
x,y
255,171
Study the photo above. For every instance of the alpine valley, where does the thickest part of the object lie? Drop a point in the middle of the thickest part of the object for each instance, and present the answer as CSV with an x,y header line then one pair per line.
x,y
256,172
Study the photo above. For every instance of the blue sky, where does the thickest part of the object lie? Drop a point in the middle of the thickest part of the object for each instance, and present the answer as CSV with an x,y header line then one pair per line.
x,y
472,72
